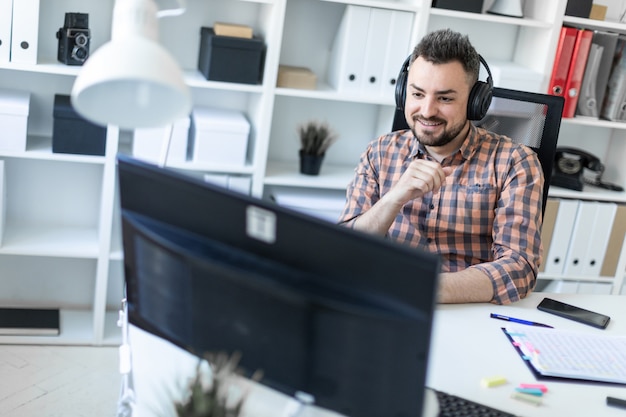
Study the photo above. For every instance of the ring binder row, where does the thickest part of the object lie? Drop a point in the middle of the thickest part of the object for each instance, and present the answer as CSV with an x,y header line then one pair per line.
x,y
19,31
582,238
589,71
370,46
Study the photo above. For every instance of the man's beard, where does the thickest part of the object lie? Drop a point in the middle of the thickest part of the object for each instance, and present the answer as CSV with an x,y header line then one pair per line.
x,y
445,137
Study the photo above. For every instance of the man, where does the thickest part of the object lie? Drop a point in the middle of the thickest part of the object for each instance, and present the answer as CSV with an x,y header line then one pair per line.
x,y
449,187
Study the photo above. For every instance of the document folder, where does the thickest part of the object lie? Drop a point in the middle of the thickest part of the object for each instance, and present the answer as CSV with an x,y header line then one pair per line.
x,y
25,31
6,16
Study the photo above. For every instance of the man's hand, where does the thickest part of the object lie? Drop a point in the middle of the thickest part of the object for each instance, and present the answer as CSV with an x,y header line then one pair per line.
x,y
421,177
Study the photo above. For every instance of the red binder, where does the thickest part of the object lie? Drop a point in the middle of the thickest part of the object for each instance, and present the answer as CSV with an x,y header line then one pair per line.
x,y
562,60
576,71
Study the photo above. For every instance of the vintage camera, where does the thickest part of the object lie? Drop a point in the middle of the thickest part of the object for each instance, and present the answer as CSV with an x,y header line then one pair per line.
x,y
74,39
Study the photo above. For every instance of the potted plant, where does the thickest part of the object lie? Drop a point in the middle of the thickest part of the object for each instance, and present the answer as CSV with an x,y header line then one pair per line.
x,y
224,396
315,139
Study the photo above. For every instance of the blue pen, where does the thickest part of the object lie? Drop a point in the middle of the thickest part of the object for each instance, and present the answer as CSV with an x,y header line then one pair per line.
x,y
514,320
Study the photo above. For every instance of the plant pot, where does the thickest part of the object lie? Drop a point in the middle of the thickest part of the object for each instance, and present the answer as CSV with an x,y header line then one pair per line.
x,y
310,164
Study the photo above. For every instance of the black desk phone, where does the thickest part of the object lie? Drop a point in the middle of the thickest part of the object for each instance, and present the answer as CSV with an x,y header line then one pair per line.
x,y
569,166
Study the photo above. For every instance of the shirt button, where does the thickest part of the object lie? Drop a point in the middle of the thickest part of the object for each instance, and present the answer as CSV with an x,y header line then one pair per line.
x,y
429,240
432,206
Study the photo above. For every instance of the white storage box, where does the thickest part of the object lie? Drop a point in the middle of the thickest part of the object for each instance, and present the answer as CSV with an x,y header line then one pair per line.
x,y
148,142
324,204
218,136
14,107
508,74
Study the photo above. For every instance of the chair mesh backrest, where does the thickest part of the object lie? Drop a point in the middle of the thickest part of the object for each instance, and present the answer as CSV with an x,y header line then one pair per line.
x,y
532,119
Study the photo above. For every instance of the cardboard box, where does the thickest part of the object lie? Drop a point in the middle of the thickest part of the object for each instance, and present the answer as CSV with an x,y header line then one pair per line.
x,y
148,142
226,58
231,29
598,12
71,133
218,136
14,109
296,77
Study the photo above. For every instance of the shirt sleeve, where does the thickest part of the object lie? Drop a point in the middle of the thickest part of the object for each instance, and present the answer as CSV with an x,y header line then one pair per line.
x,y
363,191
517,245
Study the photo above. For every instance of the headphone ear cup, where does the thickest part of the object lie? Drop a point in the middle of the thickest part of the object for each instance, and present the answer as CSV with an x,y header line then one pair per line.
x,y
401,91
401,85
479,100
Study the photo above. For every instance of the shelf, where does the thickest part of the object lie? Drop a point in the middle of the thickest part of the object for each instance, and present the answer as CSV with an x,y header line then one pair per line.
x,y
594,122
195,79
40,147
582,278
381,4
589,193
595,24
491,18
56,241
326,92
288,174
43,67
211,167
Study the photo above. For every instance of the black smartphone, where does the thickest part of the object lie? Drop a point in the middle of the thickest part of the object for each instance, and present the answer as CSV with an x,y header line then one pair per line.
x,y
571,312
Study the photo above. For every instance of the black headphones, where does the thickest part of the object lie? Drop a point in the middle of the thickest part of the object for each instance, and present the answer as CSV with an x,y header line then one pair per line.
x,y
479,97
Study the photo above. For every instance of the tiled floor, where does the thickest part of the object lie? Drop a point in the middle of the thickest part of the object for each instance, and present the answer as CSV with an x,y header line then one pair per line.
x,y
58,381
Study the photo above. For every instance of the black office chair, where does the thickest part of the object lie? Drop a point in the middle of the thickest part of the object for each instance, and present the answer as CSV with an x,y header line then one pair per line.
x,y
530,118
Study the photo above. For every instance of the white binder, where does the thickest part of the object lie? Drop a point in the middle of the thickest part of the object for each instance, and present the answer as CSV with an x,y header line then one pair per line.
x,y
3,200
587,101
579,245
374,63
397,49
561,236
599,238
6,16
25,31
345,70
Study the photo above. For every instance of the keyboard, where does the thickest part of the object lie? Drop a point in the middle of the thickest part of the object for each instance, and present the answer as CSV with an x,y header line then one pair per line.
x,y
454,406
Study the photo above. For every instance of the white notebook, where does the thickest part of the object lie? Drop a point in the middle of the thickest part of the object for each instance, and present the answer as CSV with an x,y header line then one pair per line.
x,y
567,354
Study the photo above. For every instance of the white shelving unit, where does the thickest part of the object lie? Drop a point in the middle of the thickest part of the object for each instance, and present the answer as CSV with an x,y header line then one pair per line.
x,y
62,241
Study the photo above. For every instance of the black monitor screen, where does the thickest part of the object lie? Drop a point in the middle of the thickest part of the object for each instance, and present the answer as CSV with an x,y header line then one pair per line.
x,y
341,315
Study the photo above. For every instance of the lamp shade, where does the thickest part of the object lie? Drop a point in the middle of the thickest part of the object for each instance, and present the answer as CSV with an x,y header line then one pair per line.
x,y
131,81
511,8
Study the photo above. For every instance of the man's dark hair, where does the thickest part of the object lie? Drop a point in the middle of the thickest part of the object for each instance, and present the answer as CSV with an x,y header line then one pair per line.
x,y
444,46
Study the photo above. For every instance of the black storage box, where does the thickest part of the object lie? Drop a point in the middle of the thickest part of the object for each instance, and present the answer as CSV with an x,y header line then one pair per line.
x,y
579,8
227,58
474,6
72,133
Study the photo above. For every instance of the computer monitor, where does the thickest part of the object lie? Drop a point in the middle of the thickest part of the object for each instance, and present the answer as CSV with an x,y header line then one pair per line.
x,y
341,315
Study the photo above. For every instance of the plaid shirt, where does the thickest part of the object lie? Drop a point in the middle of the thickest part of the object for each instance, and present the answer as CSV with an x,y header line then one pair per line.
x,y
487,215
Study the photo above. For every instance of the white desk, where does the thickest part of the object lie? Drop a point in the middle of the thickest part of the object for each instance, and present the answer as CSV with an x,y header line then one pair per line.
x,y
468,345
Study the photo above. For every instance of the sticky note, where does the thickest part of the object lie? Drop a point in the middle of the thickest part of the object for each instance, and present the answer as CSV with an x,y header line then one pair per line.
x,y
542,387
530,399
493,381
531,391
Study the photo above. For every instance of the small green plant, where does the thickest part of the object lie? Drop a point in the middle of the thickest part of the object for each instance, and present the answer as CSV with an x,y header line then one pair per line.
x,y
316,137
224,397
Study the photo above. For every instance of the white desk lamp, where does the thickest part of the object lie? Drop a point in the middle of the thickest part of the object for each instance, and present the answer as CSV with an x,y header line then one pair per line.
x,y
511,8
132,81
